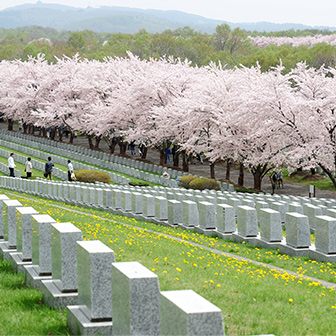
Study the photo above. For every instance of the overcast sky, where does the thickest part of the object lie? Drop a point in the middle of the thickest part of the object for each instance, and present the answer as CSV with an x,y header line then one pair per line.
x,y
310,12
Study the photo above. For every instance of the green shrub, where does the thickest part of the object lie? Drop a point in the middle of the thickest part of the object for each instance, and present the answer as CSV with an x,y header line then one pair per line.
x,y
204,183
184,181
139,184
92,176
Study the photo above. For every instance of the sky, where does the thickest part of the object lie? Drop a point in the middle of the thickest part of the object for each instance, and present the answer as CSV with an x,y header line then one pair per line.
x,y
309,12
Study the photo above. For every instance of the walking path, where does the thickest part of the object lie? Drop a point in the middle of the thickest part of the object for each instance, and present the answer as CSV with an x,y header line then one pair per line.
x,y
290,188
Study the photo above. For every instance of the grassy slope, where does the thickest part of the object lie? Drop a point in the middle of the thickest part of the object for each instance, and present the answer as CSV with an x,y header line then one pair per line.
x,y
253,299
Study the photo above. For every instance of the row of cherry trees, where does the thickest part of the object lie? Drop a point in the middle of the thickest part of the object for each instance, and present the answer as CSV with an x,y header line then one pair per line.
x,y
260,119
264,41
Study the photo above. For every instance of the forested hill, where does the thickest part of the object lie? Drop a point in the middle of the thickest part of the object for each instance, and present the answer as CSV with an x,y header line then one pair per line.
x,y
122,20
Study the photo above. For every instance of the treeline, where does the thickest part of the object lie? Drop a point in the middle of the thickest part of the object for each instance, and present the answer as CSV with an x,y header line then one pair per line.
x,y
230,47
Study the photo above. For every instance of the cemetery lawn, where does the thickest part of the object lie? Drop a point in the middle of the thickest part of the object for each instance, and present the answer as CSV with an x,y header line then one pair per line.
x,y
22,311
254,299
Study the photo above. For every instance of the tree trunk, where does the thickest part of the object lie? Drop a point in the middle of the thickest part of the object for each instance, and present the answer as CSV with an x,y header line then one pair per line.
x,y
176,160
313,171
52,133
329,173
144,152
228,169
32,130
60,134
97,142
185,165
40,131
122,147
258,173
25,127
90,141
212,170
10,125
72,136
241,175
163,155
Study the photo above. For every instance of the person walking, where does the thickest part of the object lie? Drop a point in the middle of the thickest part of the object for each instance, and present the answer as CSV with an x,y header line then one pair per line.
x,y
70,170
48,168
29,167
168,155
11,165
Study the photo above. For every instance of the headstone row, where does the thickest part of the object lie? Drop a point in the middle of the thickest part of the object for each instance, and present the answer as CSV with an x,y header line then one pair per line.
x,y
102,297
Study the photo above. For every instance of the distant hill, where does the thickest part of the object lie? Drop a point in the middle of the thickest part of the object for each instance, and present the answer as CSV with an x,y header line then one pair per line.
x,y
122,19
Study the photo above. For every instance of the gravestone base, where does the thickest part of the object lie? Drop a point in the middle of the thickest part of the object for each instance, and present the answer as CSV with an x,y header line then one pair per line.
x,y
80,324
184,227
166,224
294,251
321,256
17,262
33,278
224,235
236,237
54,297
5,250
207,232
263,243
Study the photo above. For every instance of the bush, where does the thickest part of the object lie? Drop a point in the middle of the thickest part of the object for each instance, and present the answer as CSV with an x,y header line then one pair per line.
x,y
139,184
204,183
184,181
92,176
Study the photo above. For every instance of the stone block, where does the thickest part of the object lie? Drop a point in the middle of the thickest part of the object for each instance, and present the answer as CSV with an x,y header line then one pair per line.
x,y
161,208
126,200
94,279
174,212
9,223
247,221
325,234
297,230
270,225
148,205
2,198
190,214
135,300
185,312
207,215
64,255
226,221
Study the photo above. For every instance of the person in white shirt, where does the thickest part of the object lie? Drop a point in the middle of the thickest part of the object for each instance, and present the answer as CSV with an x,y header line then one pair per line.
x,y
70,170
11,165
29,167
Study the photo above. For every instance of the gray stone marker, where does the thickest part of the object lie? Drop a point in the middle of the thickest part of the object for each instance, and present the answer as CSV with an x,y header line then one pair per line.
x,y
325,240
41,251
311,211
189,215
297,235
23,256
9,226
148,205
207,218
247,221
2,198
185,313
62,290
126,200
93,314
161,208
174,212
136,202
270,225
226,221
135,300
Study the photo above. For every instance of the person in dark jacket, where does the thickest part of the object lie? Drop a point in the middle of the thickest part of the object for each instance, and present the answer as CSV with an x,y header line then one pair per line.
x,y
48,168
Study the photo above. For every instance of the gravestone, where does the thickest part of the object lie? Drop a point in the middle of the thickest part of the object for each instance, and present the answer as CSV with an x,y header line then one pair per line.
x,y
93,314
190,313
135,300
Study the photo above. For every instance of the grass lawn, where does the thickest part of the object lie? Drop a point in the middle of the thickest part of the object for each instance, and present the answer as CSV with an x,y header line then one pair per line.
x,y
22,311
254,299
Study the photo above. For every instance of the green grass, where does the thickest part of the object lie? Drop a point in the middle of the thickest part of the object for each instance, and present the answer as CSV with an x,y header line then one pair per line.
x,y
254,299
22,311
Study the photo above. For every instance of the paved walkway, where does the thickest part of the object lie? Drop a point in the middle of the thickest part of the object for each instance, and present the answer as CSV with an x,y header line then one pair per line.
x,y
220,170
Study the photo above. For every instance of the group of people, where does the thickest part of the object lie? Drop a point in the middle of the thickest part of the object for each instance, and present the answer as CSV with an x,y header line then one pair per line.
x,y
48,169
276,180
